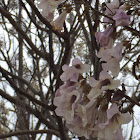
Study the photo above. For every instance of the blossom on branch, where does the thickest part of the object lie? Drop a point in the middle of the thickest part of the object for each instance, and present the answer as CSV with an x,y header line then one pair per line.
x,y
72,73
48,7
112,7
111,58
58,23
113,66
121,18
104,37
85,104
111,129
105,82
66,102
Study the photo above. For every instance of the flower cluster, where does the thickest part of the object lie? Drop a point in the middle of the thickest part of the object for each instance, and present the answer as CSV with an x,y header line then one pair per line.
x,y
84,104
87,104
115,11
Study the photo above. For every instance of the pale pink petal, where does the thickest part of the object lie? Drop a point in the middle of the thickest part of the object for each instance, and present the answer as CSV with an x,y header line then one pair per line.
x,y
112,111
124,118
77,128
118,134
65,67
57,93
93,82
70,74
76,61
48,7
113,85
104,54
109,133
69,86
79,66
104,75
88,113
104,37
116,52
110,43
66,104
107,20
94,93
112,7
113,66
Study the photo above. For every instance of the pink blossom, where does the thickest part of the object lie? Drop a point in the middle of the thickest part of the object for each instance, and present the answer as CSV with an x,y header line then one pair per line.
x,y
66,104
105,82
107,53
80,66
86,117
107,20
104,37
121,118
90,114
121,18
116,52
113,124
109,133
77,128
111,57
113,66
72,73
69,86
104,54
112,7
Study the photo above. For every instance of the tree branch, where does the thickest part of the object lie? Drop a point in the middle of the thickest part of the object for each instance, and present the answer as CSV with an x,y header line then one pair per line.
x,y
20,91
22,104
23,34
43,20
29,132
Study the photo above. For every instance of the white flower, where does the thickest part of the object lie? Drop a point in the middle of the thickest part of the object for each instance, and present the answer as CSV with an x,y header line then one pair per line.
x,y
58,23
67,103
111,129
112,58
48,7
72,73
105,82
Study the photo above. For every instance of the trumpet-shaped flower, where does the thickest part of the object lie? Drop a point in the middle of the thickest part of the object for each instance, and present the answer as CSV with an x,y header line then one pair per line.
x,y
113,124
66,104
90,115
105,82
111,57
80,66
121,18
72,73
107,53
58,23
104,37
77,128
